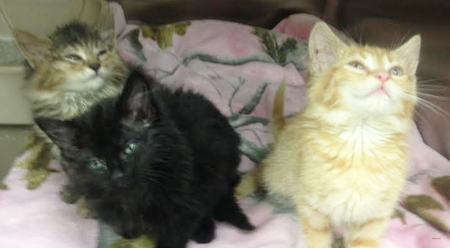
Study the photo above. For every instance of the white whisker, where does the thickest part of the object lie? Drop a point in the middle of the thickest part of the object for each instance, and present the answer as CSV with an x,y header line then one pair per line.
x,y
417,113
421,102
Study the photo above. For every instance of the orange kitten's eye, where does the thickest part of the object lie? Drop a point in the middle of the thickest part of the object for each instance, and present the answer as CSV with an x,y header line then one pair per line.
x,y
396,71
358,65
73,57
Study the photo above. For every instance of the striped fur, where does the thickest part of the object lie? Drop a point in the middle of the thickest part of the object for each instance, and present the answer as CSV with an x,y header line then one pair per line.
x,y
342,161
62,83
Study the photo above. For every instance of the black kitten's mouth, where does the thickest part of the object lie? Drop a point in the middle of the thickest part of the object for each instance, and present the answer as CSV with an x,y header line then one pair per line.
x,y
123,183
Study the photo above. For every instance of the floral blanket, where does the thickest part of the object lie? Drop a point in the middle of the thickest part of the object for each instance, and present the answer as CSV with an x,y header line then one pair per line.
x,y
238,68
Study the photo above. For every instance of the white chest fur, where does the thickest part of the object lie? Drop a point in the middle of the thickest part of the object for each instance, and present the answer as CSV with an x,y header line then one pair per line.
x,y
359,180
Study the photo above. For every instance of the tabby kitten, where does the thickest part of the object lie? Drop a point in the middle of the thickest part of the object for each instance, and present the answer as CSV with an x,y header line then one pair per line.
x,y
342,161
77,66
154,162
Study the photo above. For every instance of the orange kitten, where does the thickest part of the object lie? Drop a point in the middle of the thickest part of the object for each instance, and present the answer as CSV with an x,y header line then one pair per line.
x,y
342,161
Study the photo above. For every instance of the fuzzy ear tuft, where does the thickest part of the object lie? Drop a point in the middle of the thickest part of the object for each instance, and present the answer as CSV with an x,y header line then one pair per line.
x,y
106,26
35,49
409,53
324,47
136,102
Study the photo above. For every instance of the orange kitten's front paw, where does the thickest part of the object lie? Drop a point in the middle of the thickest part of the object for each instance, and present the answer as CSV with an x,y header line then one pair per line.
x,y
338,242
363,243
368,234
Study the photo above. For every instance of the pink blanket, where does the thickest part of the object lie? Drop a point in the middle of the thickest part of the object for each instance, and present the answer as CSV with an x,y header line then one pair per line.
x,y
238,68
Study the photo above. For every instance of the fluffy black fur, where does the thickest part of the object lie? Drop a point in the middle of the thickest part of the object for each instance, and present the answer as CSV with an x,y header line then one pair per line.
x,y
155,162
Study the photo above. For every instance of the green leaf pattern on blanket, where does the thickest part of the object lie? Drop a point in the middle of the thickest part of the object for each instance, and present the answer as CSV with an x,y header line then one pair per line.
x,y
163,34
3,186
419,204
244,118
399,214
290,51
442,186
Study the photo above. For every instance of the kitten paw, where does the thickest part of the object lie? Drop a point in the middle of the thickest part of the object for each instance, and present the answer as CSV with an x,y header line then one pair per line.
x,y
84,210
35,177
68,195
142,242
205,232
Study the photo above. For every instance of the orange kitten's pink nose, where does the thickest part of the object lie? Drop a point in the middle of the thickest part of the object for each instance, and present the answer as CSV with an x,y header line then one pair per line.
x,y
383,76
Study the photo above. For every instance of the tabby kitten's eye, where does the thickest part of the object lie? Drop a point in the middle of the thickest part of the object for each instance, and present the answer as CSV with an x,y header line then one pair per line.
x,y
102,54
358,65
396,71
73,57
130,149
97,165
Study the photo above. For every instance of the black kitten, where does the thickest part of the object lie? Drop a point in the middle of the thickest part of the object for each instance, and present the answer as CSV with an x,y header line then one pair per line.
x,y
154,162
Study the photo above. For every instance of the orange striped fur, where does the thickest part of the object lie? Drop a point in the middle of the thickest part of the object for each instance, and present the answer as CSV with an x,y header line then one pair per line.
x,y
342,161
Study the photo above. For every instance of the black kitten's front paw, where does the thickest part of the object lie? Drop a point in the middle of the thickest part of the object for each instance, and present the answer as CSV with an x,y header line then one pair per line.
x,y
203,237
84,210
205,231
128,233
68,194
129,230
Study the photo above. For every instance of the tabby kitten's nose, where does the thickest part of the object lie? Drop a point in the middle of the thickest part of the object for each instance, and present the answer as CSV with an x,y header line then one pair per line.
x,y
94,66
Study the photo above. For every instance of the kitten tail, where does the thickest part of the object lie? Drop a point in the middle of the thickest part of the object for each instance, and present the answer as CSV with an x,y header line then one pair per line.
x,y
277,123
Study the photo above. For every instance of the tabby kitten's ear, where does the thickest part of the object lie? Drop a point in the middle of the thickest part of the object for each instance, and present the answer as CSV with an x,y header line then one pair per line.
x,y
136,103
62,133
106,27
35,49
409,54
324,47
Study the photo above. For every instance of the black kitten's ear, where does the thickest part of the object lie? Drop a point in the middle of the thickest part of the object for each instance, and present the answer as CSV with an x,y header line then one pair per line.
x,y
136,101
61,133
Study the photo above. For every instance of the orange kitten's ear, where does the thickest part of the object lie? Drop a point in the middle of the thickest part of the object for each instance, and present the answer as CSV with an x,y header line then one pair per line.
x,y
324,47
409,53
35,49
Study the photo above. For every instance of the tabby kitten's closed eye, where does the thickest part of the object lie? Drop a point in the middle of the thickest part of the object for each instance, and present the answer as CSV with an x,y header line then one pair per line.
x,y
74,68
342,161
153,161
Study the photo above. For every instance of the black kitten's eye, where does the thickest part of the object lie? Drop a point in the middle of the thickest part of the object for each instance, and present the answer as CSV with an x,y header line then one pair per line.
x,y
130,149
73,57
97,165
396,71
358,65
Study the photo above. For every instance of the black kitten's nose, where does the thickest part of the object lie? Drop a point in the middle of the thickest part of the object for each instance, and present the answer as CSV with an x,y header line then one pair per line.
x,y
95,66
117,175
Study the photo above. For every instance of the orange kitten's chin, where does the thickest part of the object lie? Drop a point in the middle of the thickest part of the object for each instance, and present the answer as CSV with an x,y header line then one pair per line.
x,y
378,102
371,96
